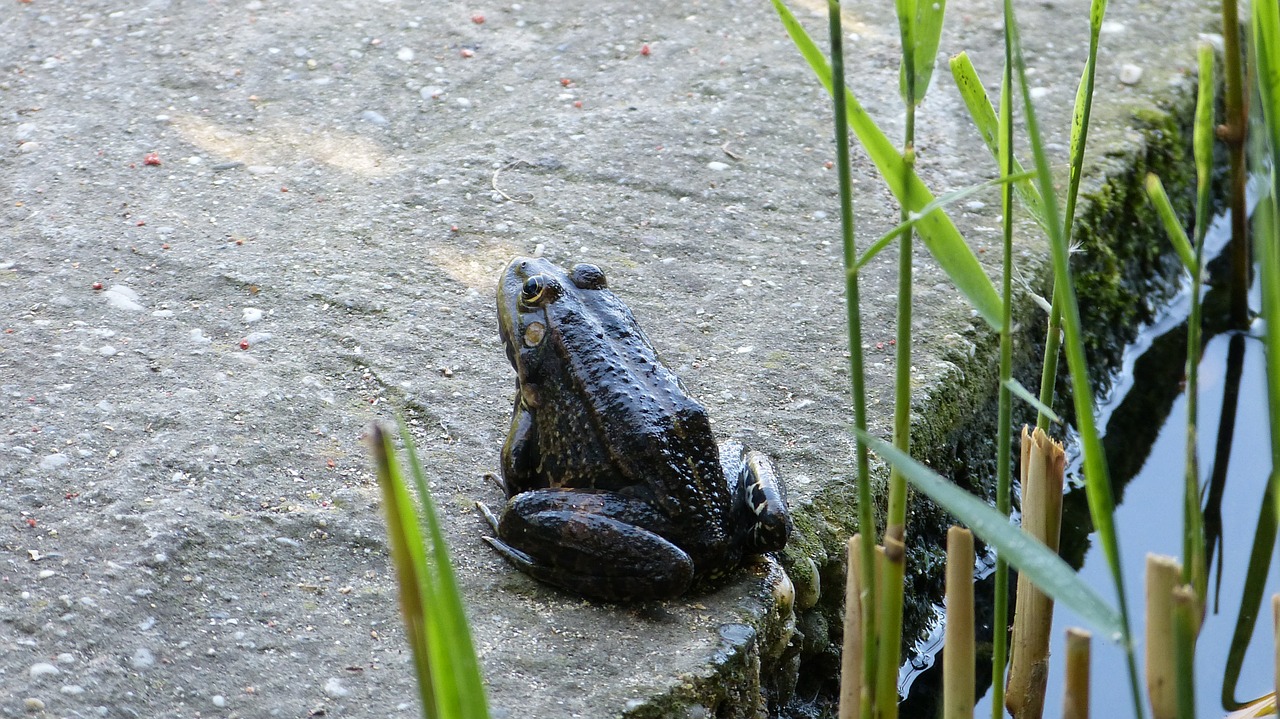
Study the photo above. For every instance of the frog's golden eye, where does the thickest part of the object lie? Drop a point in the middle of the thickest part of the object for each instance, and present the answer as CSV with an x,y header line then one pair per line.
x,y
537,290
588,277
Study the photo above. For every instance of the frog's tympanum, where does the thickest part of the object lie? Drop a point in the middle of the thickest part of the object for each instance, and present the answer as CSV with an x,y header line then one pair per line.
x,y
616,488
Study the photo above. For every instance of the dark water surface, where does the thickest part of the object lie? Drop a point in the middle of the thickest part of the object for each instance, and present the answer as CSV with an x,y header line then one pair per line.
x,y
1144,418
1149,519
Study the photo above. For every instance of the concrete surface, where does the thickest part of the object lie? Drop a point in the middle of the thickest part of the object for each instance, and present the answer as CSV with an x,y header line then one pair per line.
x,y
237,232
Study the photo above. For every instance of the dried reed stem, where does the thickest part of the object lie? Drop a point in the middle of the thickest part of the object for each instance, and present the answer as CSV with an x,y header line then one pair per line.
x,y
1043,463
1163,574
851,658
1075,702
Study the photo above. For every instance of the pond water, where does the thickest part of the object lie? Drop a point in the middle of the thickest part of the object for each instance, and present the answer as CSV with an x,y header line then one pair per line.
x,y
1144,418
1149,518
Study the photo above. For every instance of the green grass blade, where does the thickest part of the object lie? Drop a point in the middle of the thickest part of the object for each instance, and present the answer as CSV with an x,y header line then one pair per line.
x,y
906,12
1202,140
1025,395
1050,573
936,229
1172,226
1255,584
463,686
984,118
408,559
938,203
1266,234
1097,478
1081,112
1266,44
928,34
1195,565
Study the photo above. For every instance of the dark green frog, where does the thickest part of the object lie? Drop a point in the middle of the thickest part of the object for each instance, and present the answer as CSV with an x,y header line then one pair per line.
x,y
616,487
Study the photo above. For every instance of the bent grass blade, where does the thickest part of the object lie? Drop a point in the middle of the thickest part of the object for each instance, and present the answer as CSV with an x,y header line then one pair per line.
x,y
1051,574
943,201
984,118
936,228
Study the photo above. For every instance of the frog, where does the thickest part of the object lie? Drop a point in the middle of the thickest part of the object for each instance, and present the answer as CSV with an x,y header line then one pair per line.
x,y
616,487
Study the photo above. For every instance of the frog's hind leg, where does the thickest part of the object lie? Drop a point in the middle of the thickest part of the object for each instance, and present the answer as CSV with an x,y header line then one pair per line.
x,y
592,543
760,498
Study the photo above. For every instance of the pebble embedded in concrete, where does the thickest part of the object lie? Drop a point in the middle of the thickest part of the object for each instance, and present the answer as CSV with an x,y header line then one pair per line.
x,y
43,669
122,297
198,338
142,658
334,689
55,461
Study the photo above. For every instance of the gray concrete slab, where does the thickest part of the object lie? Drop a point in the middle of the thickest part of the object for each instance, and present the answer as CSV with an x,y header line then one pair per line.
x,y
235,233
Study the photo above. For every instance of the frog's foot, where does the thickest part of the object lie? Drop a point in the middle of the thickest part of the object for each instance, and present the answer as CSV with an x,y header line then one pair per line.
x,y
760,497
589,543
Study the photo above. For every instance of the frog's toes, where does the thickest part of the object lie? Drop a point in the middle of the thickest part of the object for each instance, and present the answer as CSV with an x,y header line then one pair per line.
x,y
488,516
513,555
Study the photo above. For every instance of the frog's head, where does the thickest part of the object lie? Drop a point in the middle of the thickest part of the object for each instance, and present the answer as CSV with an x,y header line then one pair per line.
x,y
533,293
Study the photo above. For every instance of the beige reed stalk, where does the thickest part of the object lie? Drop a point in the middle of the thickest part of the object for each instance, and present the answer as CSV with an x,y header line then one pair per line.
x,y
1075,702
957,648
1163,574
851,653
1043,464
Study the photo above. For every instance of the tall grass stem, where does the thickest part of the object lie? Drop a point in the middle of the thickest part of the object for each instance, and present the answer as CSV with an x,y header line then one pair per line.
x,y
1186,621
1097,478
853,312
1004,410
1079,139
958,645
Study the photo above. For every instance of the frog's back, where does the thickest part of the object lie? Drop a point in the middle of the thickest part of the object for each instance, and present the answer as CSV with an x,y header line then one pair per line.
x,y
628,408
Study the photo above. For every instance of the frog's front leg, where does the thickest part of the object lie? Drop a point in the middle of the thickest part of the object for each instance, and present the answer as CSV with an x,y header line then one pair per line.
x,y
760,498
596,543
520,456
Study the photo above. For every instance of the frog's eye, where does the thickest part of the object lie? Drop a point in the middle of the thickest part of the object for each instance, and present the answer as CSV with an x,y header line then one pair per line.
x,y
537,290
588,277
